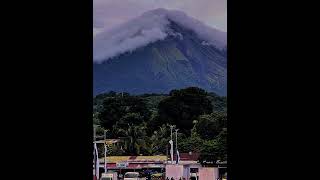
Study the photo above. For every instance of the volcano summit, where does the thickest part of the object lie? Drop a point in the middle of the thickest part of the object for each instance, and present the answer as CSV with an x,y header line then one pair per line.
x,y
159,51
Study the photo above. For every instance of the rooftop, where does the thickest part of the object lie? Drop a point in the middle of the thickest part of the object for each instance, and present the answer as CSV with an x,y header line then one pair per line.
x,y
137,159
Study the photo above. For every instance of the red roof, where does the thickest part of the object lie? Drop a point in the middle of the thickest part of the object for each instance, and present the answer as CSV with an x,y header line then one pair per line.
x,y
133,165
187,156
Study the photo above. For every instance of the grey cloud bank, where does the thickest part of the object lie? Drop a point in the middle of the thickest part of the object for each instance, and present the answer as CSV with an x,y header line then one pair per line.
x,y
151,26
110,13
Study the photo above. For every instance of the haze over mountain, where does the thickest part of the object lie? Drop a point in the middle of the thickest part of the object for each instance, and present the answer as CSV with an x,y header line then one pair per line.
x,y
159,51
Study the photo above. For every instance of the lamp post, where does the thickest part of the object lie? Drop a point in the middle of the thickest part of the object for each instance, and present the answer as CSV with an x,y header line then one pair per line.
x,y
177,139
96,157
171,145
105,151
177,156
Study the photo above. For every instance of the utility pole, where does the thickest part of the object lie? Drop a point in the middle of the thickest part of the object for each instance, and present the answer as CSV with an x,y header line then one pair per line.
x,y
171,128
95,154
94,141
94,133
177,156
171,143
177,139
105,151
167,153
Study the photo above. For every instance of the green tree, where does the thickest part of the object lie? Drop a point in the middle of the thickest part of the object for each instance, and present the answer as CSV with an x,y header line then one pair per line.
x,y
134,139
192,143
183,106
158,141
216,149
95,119
154,123
222,146
130,119
219,103
115,150
115,108
210,125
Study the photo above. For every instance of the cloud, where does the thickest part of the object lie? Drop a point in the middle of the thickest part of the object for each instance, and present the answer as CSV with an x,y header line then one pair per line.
x,y
110,13
151,26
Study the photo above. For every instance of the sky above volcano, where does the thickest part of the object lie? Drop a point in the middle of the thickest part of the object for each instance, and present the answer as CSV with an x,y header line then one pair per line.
x,y
108,14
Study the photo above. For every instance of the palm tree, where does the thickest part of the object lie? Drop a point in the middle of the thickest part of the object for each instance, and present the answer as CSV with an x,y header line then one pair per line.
x,y
134,139
158,142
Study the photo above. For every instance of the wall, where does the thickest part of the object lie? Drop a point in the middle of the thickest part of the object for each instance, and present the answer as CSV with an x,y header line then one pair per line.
x,y
186,171
175,171
208,173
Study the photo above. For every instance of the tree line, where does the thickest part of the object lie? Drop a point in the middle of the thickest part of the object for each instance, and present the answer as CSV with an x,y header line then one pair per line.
x,y
142,122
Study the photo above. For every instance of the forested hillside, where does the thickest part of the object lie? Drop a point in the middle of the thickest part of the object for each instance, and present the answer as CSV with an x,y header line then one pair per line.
x,y
142,122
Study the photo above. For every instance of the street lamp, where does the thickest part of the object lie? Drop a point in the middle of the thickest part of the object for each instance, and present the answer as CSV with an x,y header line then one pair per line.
x,y
105,151
96,157
177,146
171,145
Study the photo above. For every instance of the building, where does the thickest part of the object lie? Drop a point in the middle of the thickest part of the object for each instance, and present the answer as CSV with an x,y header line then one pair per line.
x,y
122,164
187,166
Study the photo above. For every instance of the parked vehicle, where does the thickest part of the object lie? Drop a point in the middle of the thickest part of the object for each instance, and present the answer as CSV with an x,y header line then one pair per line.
x,y
157,176
131,176
194,176
109,176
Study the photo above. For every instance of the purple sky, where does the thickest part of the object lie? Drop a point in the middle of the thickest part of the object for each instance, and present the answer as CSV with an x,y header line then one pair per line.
x,y
109,13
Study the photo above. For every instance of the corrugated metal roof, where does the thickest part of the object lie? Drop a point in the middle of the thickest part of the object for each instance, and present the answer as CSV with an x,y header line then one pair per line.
x,y
117,159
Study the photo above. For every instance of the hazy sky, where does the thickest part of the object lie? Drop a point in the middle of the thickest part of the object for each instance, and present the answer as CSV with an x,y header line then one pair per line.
x,y
109,13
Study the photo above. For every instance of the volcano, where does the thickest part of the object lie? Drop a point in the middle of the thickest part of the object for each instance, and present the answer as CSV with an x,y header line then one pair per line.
x,y
159,51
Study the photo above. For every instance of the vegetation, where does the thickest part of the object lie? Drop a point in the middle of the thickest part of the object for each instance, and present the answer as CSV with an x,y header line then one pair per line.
x,y
142,122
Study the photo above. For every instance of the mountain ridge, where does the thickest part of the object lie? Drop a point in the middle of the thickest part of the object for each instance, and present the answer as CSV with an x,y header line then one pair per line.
x,y
150,27
181,59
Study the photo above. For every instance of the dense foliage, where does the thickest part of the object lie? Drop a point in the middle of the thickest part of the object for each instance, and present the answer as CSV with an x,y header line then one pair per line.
x,y
142,122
